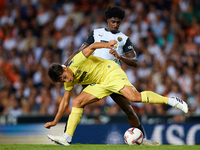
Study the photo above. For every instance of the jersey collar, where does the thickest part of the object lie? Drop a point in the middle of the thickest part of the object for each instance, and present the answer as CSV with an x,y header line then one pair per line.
x,y
112,31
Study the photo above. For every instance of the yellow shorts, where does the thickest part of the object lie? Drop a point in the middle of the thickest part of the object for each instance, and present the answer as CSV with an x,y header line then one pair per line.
x,y
113,82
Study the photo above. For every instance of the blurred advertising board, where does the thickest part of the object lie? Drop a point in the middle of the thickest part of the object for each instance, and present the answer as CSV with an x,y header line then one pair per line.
x,y
111,133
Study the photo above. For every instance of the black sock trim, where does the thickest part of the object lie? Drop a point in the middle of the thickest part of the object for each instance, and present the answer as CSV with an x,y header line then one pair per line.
x,y
142,129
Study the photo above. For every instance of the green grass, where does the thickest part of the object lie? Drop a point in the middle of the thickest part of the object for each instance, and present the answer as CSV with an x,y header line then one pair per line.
x,y
95,147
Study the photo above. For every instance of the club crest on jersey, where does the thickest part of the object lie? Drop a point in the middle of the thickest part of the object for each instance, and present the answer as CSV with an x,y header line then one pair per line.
x,y
119,39
79,72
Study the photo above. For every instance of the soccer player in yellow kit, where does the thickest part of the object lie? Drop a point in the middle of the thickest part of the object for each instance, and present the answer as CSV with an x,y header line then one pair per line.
x,y
105,77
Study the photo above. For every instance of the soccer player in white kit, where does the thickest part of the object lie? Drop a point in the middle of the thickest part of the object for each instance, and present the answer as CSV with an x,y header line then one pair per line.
x,y
124,51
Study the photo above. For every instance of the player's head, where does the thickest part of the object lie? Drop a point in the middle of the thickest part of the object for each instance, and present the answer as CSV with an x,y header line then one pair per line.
x,y
55,71
58,73
114,15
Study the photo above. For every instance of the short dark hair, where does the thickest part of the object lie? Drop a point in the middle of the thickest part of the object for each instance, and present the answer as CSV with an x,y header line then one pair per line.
x,y
55,71
114,11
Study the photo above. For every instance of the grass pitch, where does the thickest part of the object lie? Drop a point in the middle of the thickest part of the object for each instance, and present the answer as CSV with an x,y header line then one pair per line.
x,y
95,147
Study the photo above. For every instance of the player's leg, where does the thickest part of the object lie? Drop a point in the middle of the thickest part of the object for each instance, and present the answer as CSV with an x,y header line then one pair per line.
x,y
120,83
77,110
90,94
125,105
74,118
83,87
150,97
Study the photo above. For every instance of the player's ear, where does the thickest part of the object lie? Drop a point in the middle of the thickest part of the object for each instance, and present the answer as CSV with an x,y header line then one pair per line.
x,y
107,20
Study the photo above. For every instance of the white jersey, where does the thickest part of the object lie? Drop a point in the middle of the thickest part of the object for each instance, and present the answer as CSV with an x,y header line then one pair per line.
x,y
123,45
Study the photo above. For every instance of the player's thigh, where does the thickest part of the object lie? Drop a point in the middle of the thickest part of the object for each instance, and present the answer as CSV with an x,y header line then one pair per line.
x,y
98,90
84,99
117,80
131,93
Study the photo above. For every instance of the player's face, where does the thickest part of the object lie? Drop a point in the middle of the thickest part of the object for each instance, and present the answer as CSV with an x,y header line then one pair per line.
x,y
67,76
113,24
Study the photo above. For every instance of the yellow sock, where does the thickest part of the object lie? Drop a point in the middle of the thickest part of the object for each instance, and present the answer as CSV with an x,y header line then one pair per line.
x,y
74,119
151,97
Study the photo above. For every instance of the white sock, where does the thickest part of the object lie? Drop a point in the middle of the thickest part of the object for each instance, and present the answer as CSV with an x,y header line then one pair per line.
x,y
171,101
67,137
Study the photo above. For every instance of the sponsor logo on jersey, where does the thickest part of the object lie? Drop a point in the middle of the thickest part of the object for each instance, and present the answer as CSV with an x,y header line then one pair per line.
x,y
82,77
100,35
130,47
79,71
119,39
104,41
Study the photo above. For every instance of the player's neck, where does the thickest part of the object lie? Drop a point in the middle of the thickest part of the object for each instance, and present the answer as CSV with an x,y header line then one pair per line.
x,y
114,32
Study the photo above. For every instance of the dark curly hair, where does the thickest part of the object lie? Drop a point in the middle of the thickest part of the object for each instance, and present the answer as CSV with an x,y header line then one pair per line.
x,y
114,11
55,71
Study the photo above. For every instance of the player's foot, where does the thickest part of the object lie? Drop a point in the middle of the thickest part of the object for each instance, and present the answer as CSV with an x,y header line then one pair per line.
x,y
148,142
58,140
180,104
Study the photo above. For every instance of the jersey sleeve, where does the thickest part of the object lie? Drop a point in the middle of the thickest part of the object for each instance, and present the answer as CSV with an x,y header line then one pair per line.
x,y
128,47
68,86
90,39
78,60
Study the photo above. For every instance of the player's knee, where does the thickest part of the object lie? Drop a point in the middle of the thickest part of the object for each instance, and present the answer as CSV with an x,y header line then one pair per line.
x,y
134,99
77,103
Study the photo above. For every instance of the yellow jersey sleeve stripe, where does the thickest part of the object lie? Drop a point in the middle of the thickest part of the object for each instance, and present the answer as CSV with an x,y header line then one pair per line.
x,y
83,54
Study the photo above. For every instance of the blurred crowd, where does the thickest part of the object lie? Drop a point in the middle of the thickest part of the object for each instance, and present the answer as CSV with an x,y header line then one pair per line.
x,y
36,33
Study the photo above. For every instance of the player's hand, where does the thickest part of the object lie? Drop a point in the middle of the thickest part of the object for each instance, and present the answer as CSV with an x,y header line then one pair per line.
x,y
114,53
48,125
112,43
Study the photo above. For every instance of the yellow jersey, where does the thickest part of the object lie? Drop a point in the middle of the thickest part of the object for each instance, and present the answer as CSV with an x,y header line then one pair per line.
x,y
89,70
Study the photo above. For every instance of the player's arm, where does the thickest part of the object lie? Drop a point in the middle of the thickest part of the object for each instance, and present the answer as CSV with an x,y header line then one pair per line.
x,y
61,110
89,40
129,57
83,46
90,49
